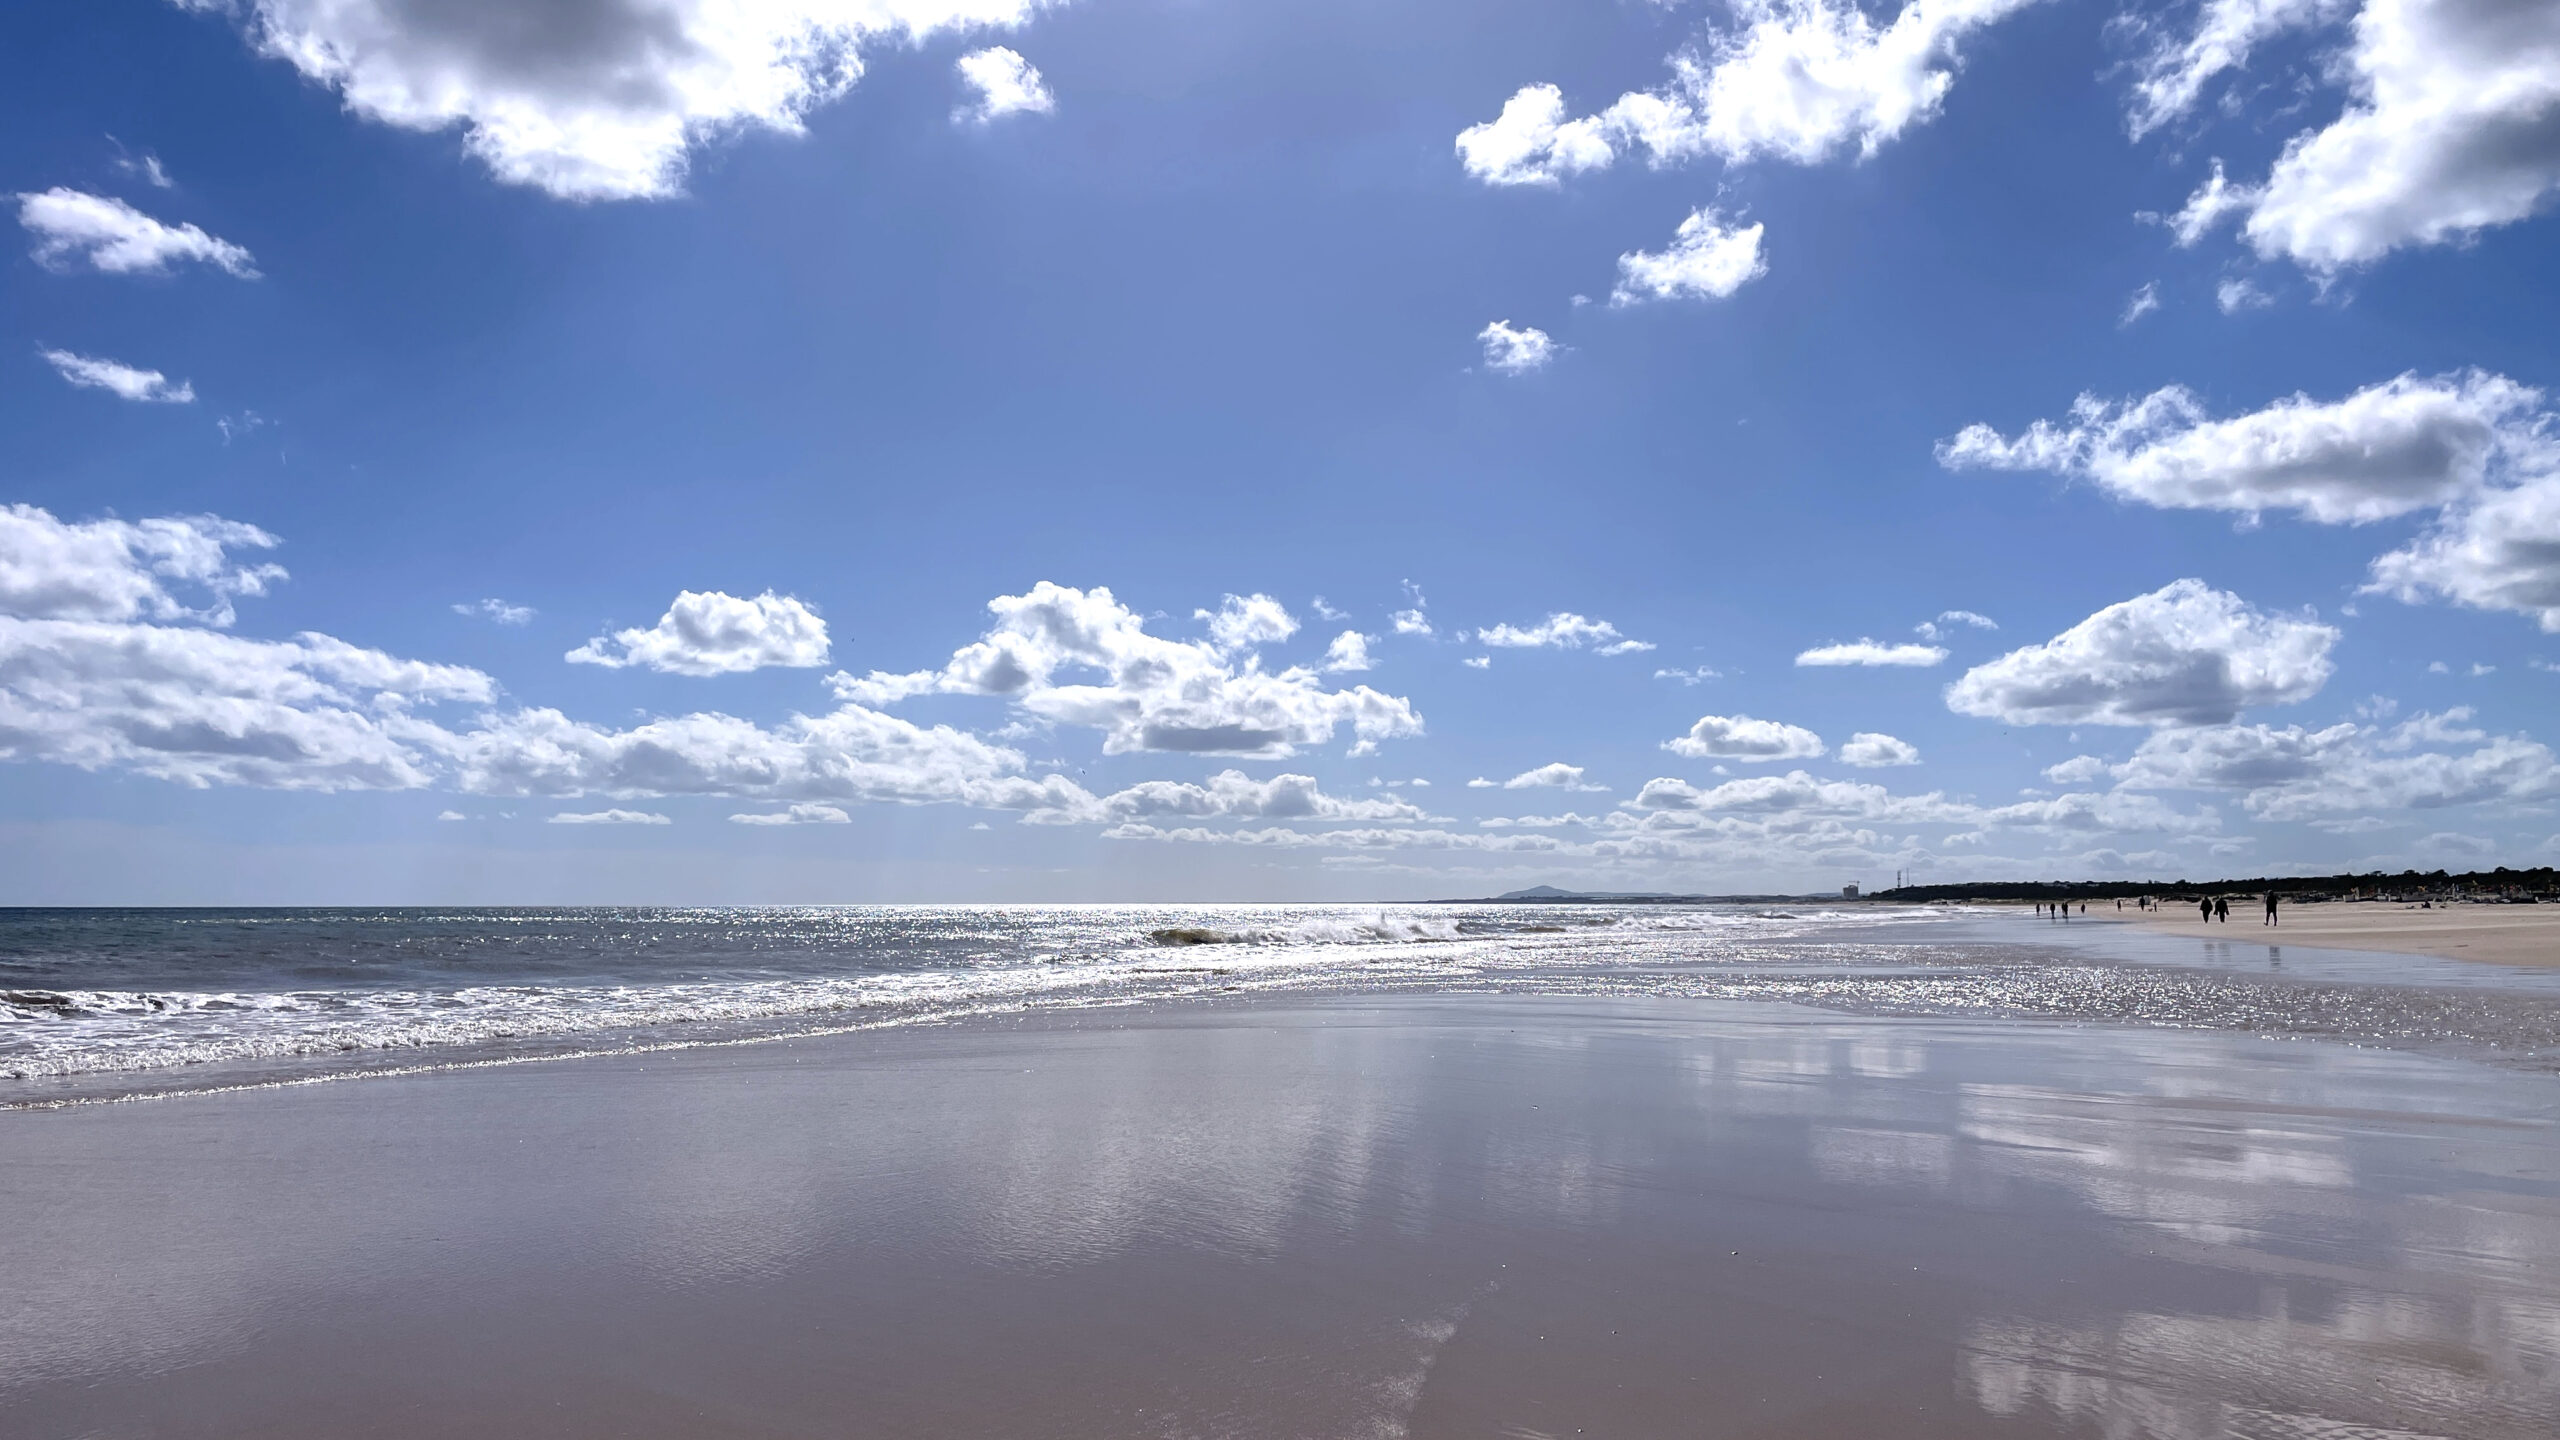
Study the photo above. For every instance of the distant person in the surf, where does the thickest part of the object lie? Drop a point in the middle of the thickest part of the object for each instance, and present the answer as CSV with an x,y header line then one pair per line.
x,y
2271,907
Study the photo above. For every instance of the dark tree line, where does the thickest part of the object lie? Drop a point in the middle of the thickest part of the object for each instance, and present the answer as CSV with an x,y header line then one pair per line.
x,y
2501,883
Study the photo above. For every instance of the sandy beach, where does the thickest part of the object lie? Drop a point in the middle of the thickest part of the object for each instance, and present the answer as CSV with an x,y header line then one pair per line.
x,y
1355,1216
2499,934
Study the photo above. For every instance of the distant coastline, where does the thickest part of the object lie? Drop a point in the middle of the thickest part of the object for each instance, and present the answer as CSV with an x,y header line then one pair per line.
x,y
2538,885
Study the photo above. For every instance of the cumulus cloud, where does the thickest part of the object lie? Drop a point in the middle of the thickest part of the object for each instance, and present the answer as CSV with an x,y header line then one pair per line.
x,y
2386,450
2185,654
1232,794
2499,551
1873,652
2477,448
596,101
1798,80
2452,126
1184,696
1799,794
1708,259
1872,751
118,570
496,611
201,708
2078,770
106,662
1558,776
1349,652
608,817
1246,622
123,381
73,228
2292,773
1515,352
1697,675
1739,737
1563,630
706,632
805,813
1002,83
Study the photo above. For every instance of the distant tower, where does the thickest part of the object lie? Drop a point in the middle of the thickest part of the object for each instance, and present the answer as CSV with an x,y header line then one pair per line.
x,y
1848,892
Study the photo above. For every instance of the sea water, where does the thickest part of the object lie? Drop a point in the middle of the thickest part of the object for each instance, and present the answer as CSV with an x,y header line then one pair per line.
x,y
105,1004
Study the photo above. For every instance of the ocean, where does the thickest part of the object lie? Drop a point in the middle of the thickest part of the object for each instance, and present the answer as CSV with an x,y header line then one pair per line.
x,y
113,1004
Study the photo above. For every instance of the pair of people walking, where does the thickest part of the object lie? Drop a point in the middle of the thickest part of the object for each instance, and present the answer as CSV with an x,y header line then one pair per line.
x,y
2220,909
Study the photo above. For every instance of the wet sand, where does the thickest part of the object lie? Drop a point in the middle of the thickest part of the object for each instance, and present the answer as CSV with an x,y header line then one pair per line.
x,y
2499,934
1424,1215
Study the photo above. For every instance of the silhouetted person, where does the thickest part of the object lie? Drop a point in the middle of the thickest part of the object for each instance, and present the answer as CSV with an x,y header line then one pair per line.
x,y
2271,907
2222,910
2207,907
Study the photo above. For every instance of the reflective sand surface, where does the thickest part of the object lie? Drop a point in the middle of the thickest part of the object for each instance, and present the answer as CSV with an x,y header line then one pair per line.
x,y
1423,1215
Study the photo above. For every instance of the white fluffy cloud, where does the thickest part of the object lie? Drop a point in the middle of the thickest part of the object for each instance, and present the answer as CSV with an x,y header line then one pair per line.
x,y
708,633
1799,80
2185,654
1708,259
73,228
2500,551
2476,447
1184,696
117,570
1739,737
595,99
1349,652
1515,352
201,708
2297,774
1799,794
1869,750
125,382
2079,770
2405,444
805,813
1232,794
1564,630
1002,83
2452,126
106,663
608,817
1558,776
1247,622
1873,652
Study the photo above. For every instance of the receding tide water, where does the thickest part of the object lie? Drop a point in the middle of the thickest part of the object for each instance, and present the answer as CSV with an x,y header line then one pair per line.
x,y
99,1004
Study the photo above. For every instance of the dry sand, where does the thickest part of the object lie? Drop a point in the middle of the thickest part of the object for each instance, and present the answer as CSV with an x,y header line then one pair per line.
x,y
1419,1217
2502,934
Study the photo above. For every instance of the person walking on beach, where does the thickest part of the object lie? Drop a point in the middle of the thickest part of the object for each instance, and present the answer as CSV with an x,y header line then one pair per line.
x,y
2271,907
2207,907
2222,909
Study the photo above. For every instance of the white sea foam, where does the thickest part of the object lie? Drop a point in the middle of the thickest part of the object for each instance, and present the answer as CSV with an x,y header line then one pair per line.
x,y
408,989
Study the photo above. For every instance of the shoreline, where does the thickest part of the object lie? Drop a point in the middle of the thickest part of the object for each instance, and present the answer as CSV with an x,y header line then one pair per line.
x,y
1419,1216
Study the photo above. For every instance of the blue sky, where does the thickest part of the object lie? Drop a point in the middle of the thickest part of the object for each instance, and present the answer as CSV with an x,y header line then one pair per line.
x,y
762,361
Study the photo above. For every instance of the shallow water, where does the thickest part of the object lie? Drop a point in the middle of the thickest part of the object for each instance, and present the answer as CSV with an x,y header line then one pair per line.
x,y
1404,1216
112,1003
